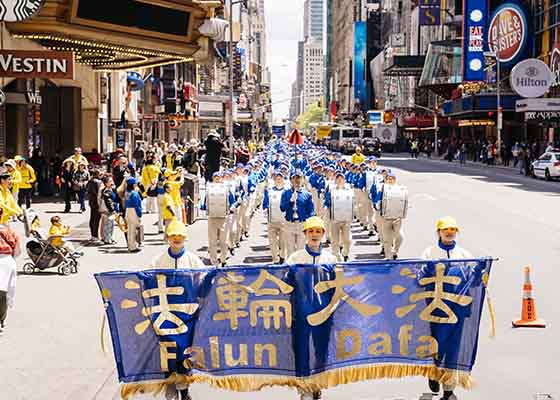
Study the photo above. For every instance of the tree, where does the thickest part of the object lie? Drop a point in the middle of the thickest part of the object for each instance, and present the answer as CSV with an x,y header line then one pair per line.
x,y
314,113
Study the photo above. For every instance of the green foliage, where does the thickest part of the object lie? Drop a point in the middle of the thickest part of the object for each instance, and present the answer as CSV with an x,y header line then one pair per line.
x,y
314,113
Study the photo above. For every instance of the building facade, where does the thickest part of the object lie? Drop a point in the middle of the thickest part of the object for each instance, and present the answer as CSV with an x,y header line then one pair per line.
x,y
313,73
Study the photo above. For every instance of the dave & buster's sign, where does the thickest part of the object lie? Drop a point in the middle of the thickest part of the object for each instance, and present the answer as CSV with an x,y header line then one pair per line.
x,y
507,32
37,64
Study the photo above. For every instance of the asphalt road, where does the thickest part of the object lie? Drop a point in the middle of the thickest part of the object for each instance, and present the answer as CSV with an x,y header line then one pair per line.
x,y
51,350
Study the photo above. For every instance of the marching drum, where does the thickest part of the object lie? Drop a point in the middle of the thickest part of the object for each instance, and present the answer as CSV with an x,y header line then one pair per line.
x,y
394,204
217,201
342,205
275,215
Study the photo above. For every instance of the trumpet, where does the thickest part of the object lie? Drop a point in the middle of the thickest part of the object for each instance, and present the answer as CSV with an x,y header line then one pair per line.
x,y
294,202
121,223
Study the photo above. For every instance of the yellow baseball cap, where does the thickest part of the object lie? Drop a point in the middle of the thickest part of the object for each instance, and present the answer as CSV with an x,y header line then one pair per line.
x,y
446,223
176,228
314,222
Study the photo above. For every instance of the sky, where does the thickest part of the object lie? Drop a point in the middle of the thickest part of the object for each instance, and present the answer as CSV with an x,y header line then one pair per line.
x,y
284,23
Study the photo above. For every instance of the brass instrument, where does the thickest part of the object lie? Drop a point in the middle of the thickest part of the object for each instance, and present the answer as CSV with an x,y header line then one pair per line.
x,y
121,223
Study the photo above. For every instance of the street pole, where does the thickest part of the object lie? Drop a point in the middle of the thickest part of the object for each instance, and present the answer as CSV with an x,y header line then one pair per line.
x,y
231,97
436,131
498,94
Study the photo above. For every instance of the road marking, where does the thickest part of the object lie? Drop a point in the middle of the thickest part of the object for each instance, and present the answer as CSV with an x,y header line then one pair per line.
x,y
424,196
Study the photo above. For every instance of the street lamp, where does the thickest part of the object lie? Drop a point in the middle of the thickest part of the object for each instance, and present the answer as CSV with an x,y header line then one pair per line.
x,y
231,96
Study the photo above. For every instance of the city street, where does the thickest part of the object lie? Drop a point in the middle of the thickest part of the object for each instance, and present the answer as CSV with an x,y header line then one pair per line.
x,y
51,349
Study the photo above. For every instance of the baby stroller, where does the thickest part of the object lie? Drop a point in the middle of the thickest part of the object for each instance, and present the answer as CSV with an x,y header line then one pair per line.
x,y
43,253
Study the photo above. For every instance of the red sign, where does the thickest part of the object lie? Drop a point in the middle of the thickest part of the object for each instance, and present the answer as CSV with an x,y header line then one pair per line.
x,y
37,64
507,33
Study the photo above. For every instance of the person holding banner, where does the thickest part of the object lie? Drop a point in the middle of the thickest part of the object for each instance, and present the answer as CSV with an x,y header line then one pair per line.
x,y
297,206
272,198
340,204
446,248
177,256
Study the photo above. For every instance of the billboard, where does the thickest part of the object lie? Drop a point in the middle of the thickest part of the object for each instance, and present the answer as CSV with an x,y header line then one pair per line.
x,y
474,32
508,33
430,12
360,48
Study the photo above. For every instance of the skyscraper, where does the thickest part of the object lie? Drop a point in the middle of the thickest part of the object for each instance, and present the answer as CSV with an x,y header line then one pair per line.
x,y
313,20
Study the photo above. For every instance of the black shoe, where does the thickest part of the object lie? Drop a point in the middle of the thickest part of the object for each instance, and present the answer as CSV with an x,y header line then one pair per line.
x,y
237,245
246,235
281,261
184,394
316,395
232,251
224,265
449,395
434,386
135,251
395,257
382,253
370,234
345,258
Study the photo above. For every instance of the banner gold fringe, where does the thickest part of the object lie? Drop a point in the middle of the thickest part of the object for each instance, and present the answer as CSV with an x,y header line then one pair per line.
x,y
324,380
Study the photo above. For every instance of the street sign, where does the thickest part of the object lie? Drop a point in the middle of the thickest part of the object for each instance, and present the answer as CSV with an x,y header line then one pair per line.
x,y
550,104
2,98
531,78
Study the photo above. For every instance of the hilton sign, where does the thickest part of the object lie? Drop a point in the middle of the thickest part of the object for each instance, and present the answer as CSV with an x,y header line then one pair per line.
x,y
37,64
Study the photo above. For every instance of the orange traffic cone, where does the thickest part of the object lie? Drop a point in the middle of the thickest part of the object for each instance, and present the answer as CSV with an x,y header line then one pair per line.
x,y
528,309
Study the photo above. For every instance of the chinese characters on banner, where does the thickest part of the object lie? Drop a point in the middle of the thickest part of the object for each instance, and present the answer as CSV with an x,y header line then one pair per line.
x,y
281,324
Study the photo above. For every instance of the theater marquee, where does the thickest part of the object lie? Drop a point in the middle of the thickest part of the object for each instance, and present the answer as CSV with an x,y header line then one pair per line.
x,y
37,64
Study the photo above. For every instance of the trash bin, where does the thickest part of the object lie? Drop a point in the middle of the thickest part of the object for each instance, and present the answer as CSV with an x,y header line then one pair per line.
x,y
191,196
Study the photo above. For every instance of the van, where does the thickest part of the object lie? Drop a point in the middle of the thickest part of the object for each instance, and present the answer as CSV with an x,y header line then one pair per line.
x,y
344,139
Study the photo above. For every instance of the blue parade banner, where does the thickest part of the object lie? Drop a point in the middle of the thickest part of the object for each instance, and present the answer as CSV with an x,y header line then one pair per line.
x,y
243,328
474,34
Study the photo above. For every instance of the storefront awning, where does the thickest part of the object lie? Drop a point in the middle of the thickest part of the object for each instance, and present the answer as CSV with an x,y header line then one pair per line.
x,y
405,66
442,71
478,105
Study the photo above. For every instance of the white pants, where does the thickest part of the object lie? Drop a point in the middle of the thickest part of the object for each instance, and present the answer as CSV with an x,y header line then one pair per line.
x,y
294,237
369,211
229,230
151,204
276,240
244,217
340,237
178,209
160,212
217,240
392,236
379,223
133,222
327,218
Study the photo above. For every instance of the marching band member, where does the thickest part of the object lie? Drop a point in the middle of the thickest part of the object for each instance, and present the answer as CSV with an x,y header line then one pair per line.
x,y
133,214
313,253
232,218
446,248
339,202
330,184
373,193
371,176
390,226
361,196
218,203
247,189
297,205
272,198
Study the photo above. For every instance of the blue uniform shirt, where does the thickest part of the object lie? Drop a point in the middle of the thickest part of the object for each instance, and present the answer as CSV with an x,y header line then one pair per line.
x,y
304,204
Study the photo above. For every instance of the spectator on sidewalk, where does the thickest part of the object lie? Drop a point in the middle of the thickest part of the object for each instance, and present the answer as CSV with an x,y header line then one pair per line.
x,y
133,214
79,184
9,249
139,155
108,208
515,153
28,179
93,188
66,179
463,153
550,147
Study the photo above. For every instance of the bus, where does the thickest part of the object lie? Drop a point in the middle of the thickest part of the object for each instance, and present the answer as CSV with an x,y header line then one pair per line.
x,y
344,139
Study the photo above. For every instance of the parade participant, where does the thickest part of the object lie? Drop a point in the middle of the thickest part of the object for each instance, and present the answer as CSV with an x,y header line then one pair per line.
x,y
79,182
78,157
168,208
248,187
133,214
28,179
232,226
360,194
271,203
446,248
373,193
175,180
391,227
9,249
7,202
299,162
218,203
177,256
339,203
160,193
108,207
371,177
150,174
358,158
169,161
313,253
93,187
297,205
16,177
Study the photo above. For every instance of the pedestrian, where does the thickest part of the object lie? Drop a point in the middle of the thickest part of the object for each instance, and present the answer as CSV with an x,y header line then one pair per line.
x,y
108,209
312,254
78,157
358,157
549,148
16,177
150,174
463,153
28,180
133,215
176,180
214,148
449,336
521,159
93,187
7,202
297,205
218,203
515,153
139,155
66,179
339,203
79,184
168,209
271,205
9,250
191,159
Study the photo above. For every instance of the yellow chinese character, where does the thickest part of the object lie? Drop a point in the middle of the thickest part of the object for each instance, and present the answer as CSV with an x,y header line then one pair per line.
x,y
340,295
257,286
164,309
271,310
438,295
233,298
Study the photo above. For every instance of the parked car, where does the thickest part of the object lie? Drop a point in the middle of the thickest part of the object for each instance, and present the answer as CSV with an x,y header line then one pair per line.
x,y
547,166
372,147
